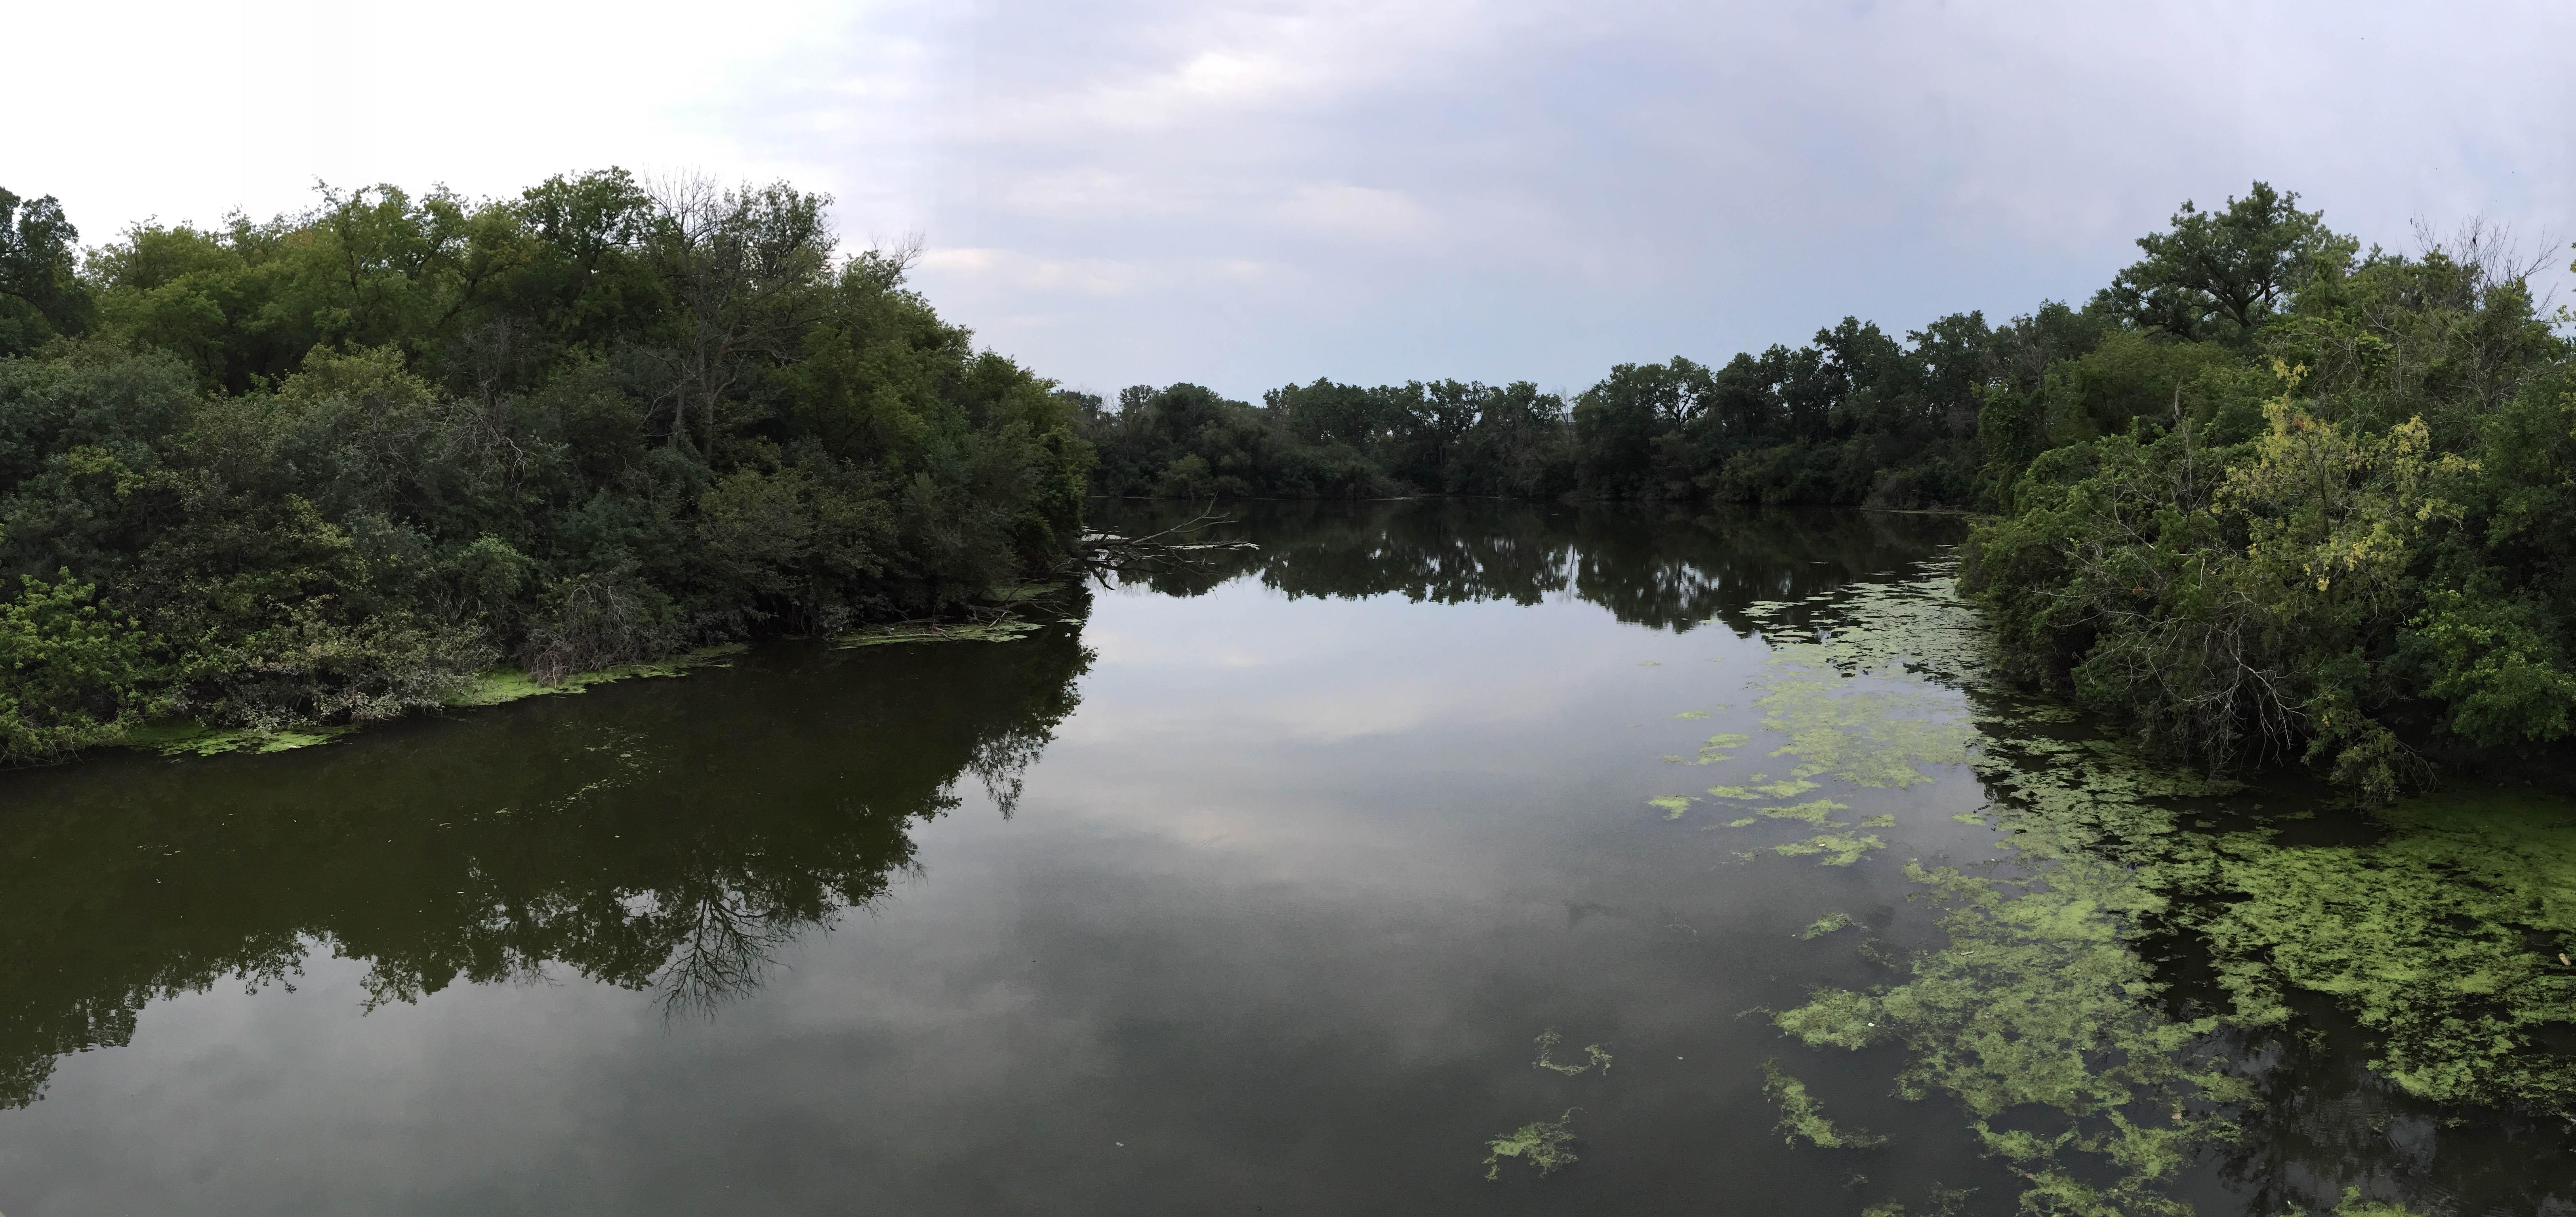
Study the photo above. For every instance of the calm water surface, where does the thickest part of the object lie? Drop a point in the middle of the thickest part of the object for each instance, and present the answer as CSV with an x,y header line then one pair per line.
x,y
1244,891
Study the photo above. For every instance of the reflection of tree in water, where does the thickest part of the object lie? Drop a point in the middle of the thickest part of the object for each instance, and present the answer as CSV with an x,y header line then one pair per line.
x,y
1651,566
668,838
2318,1125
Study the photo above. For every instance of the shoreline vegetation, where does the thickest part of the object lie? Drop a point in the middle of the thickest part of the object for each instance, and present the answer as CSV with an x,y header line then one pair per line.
x,y
265,480
2268,496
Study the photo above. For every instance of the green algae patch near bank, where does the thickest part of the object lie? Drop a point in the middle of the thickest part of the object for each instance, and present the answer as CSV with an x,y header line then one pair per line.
x,y
1008,629
2450,938
2447,931
500,686
2037,1003
187,737
508,684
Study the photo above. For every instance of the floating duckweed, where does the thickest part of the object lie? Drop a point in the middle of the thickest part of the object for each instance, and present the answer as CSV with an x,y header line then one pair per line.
x,y
1746,822
2425,937
1673,804
1543,1144
1802,1116
1880,737
2354,1206
1759,786
2039,1003
493,688
1819,812
1945,1202
1828,924
1005,630
1548,1040
507,685
191,739
1837,849
1881,820
1692,714
1721,747
2443,938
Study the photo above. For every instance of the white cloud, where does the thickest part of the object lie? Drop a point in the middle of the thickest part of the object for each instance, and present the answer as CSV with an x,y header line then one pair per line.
x,y
1151,190
1086,276
1339,209
1094,193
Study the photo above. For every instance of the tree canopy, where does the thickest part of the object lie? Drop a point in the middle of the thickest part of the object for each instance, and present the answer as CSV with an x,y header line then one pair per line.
x,y
339,464
2264,495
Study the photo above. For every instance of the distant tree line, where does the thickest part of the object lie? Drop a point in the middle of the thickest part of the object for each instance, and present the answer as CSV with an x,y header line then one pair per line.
x,y
1855,417
2268,492
334,465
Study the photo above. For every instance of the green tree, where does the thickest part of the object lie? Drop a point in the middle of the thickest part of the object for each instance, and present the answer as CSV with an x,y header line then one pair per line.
x,y
2220,274
41,295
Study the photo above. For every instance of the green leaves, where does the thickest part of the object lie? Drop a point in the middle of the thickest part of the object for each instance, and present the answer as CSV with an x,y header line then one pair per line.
x,y
41,295
2498,663
72,673
2222,273
346,460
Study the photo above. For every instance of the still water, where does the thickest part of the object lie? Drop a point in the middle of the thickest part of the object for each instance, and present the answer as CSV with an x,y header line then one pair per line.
x,y
1252,889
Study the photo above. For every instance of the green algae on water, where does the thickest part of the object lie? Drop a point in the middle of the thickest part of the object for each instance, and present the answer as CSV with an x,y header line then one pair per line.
x,y
1802,1117
1692,714
2447,938
1721,747
1673,804
1008,629
2038,1013
503,685
1883,736
1828,924
1833,848
185,737
1548,1040
1545,1144
2038,1004
1759,786
2354,1206
1944,1202
1819,812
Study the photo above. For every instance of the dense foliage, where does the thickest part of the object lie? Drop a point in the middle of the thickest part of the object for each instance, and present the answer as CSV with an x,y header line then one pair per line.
x,y
2305,497
335,465
1855,417
2267,491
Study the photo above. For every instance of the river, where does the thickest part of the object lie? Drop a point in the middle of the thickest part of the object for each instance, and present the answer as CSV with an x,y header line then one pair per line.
x,y
1429,858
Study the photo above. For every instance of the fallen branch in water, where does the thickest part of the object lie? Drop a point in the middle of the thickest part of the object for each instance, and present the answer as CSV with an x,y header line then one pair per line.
x,y
1101,554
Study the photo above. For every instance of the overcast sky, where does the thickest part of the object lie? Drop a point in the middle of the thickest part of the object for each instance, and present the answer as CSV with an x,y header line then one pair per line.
x,y
1247,192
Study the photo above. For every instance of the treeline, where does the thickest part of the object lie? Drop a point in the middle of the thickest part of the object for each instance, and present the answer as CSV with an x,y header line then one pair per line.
x,y
1856,417
335,465
2266,491
1671,568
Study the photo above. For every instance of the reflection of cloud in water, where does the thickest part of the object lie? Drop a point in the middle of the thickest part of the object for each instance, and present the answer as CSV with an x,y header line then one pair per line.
x,y
1125,648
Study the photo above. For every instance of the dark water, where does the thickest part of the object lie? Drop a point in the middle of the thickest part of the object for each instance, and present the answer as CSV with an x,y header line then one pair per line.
x,y
1247,894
